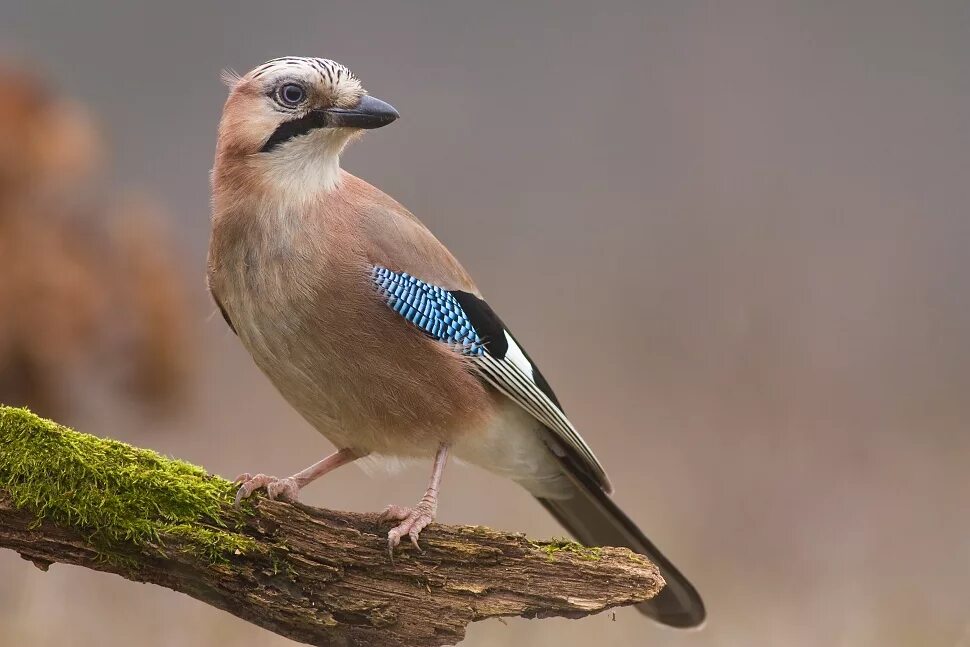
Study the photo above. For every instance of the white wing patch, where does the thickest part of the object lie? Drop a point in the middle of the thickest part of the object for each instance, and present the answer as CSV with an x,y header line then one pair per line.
x,y
515,355
508,377
464,320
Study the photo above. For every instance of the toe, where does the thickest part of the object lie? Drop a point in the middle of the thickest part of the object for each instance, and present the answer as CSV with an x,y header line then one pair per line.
x,y
395,513
250,485
241,494
273,490
283,489
414,522
394,534
393,538
420,523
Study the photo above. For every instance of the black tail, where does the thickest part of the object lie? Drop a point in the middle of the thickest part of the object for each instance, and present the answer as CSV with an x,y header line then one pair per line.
x,y
593,519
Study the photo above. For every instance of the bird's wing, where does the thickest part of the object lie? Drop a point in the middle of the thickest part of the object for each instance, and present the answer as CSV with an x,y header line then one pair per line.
x,y
222,309
466,322
393,237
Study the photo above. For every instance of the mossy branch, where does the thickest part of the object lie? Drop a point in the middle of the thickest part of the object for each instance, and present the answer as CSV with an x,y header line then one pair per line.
x,y
316,576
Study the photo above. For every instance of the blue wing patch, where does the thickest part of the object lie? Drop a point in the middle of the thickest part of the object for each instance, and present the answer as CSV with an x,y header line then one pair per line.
x,y
465,321
432,309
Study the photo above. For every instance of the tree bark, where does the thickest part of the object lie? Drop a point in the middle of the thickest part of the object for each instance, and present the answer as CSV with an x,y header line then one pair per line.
x,y
325,578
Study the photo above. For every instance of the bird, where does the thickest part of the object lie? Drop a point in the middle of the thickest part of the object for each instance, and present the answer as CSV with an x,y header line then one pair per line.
x,y
373,331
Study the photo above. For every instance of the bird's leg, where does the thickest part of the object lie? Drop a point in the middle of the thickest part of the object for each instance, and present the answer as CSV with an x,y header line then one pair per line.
x,y
413,520
287,489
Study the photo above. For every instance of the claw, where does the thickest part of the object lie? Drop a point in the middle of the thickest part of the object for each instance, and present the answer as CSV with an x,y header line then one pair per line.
x,y
413,521
285,489
414,539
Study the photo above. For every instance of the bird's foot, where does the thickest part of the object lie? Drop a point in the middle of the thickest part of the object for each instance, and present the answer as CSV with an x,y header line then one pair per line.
x,y
285,489
413,520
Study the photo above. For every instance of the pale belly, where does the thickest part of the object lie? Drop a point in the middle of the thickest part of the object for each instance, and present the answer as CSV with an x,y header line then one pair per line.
x,y
362,377
512,446
361,391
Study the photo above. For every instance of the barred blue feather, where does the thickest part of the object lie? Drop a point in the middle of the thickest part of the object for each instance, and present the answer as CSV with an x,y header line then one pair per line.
x,y
466,321
429,307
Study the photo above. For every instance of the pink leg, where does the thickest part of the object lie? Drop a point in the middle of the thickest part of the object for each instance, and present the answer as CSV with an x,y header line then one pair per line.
x,y
413,520
287,489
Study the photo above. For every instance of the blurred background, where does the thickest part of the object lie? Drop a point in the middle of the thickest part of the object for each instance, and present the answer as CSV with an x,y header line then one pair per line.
x,y
734,236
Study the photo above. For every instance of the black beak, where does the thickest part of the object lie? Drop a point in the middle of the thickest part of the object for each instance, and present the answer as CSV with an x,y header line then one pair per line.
x,y
369,113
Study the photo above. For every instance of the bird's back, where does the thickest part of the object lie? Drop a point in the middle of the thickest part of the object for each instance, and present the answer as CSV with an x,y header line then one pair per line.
x,y
396,239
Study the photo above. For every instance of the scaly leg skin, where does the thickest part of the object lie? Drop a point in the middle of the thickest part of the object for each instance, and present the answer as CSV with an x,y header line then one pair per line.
x,y
413,520
288,489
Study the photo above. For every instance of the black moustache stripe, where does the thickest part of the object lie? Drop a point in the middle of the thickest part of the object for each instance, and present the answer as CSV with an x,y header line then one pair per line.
x,y
294,128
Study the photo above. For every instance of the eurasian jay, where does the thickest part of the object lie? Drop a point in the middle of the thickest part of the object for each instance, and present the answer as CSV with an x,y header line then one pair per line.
x,y
371,329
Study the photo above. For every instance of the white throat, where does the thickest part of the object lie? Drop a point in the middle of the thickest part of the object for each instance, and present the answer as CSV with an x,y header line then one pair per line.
x,y
307,166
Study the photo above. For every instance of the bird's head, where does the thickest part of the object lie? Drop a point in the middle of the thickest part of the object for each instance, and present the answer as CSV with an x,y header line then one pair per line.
x,y
289,119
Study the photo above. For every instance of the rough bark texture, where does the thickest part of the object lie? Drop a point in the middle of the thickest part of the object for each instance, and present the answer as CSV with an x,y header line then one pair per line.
x,y
313,575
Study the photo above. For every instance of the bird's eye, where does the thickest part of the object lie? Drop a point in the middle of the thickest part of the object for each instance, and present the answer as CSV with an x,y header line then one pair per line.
x,y
291,95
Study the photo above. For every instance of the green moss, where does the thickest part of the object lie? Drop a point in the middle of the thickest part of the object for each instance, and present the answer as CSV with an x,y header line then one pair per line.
x,y
114,493
563,545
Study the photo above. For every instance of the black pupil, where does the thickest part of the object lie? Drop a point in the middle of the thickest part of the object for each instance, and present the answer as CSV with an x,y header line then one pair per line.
x,y
292,93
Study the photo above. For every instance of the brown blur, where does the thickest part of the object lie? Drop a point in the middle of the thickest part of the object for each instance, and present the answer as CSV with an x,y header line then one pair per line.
x,y
89,290
733,235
